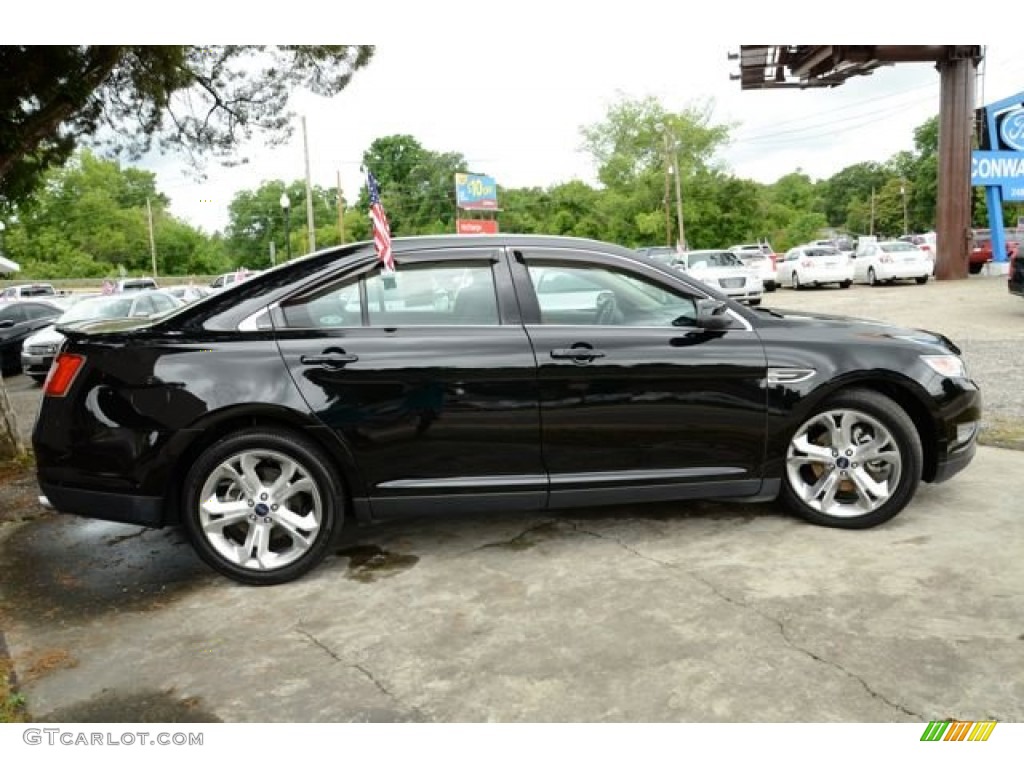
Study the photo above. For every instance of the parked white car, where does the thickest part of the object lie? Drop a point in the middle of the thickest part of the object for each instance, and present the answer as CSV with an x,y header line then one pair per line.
x,y
884,262
815,265
725,271
39,349
763,258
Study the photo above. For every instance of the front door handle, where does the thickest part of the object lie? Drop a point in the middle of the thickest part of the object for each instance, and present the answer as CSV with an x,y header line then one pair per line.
x,y
329,359
577,354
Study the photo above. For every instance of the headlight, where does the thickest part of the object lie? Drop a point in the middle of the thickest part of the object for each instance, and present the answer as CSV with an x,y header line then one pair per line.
x,y
946,365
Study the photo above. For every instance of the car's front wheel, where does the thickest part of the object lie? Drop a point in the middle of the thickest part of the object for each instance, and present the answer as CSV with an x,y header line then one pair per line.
x,y
855,463
872,277
921,280
795,279
262,506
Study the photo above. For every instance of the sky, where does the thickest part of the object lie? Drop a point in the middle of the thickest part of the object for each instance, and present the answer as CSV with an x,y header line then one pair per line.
x,y
509,86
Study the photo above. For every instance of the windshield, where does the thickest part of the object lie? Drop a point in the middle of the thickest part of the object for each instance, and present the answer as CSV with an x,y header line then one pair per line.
x,y
897,247
816,253
97,309
699,259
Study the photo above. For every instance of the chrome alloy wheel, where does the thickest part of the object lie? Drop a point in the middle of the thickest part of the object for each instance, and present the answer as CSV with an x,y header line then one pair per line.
x,y
843,463
260,509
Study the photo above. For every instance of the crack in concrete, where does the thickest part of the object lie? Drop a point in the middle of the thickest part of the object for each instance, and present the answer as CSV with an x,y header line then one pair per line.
x,y
768,617
364,671
515,539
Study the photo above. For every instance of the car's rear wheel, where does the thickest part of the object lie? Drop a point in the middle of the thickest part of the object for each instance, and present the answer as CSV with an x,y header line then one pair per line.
x,y
754,302
855,463
921,280
795,280
845,283
262,506
769,287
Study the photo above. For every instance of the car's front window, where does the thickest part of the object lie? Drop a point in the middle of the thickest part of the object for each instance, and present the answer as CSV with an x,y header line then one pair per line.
x,y
898,247
605,296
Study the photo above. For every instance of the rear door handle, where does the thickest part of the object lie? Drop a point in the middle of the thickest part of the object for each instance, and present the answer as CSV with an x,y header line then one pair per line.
x,y
329,360
579,354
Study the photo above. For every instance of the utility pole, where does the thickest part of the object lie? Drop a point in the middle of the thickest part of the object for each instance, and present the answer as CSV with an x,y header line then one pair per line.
x,y
341,213
679,193
152,239
310,223
903,194
871,231
668,216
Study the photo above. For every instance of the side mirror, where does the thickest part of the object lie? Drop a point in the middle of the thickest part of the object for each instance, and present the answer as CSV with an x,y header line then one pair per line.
x,y
712,315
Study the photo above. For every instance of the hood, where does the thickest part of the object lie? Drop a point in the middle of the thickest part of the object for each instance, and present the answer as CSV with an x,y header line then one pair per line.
x,y
47,335
863,328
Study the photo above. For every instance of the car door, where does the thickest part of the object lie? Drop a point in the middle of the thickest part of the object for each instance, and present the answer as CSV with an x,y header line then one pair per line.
x,y
636,400
428,377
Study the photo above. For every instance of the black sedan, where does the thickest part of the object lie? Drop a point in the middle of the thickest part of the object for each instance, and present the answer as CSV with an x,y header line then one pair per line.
x,y
19,319
488,373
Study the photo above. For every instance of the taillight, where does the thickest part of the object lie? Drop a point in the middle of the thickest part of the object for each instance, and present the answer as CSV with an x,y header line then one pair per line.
x,y
62,373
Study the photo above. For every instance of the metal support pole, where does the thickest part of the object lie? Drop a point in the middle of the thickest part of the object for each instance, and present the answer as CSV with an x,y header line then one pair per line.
x,y
953,218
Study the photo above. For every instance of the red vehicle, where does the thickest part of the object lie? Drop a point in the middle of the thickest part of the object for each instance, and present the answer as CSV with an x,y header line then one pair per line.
x,y
1015,280
981,253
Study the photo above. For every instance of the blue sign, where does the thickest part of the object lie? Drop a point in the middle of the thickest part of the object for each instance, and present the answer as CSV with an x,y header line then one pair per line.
x,y
999,169
1011,131
476,192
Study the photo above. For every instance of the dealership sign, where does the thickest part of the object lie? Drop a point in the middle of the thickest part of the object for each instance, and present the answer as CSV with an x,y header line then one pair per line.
x,y
476,227
1011,130
999,169
475,192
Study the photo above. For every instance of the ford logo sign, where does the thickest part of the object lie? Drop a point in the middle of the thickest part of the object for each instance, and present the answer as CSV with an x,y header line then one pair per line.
x,y
1011,131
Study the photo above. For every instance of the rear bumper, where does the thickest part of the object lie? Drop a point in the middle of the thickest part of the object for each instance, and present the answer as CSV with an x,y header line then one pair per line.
x,y
117,507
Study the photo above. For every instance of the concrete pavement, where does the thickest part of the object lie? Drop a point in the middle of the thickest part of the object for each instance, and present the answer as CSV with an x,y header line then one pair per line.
x,y
680,613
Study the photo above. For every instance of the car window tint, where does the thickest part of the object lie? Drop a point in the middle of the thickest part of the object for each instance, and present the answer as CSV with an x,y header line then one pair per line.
x,y
14,313
573,295
144,306
448,293
36,311
336,306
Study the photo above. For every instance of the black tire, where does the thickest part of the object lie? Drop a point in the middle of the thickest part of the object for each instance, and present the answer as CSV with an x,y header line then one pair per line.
x,y
846,283
872,277
754,302
921,280
322,506
801,478
974,269
770,287
38,378
795,281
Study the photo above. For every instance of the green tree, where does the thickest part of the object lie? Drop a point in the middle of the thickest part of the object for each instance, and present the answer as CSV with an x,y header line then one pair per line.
x,y
89,219
256,218
202,100
417,185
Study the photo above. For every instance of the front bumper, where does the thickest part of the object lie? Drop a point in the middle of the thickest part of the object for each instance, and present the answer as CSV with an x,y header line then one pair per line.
x,y
36,365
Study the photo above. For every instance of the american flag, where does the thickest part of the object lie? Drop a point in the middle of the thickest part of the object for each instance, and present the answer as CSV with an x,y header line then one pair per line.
x,y
381,229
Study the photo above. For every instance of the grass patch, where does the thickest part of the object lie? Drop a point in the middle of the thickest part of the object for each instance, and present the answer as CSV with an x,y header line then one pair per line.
x,y
12,704
1002,435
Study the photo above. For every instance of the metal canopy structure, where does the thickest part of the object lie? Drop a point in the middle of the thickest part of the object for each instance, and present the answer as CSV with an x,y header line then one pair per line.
x,y
827,66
